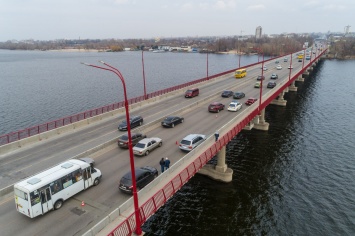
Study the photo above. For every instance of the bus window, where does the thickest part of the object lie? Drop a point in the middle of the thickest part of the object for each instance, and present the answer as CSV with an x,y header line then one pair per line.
x,y
67,181
34,196
55,186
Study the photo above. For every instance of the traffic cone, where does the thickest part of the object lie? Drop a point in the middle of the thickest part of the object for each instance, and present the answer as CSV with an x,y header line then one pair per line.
x,y
216,116
82,203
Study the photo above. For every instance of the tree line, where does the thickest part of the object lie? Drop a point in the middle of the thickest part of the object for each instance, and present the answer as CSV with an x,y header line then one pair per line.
x,y
269,46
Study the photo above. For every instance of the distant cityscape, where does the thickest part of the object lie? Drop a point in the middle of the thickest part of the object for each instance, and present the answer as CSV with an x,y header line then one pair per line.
x,y
269,44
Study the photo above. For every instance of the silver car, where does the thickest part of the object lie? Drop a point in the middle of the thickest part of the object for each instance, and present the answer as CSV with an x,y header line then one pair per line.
x,y
191,141
146,145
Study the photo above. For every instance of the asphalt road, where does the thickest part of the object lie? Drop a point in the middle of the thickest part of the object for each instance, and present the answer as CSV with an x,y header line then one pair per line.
x,y
74,219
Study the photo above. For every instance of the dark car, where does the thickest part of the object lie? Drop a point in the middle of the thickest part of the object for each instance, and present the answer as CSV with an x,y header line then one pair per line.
x,y
144,176
135,121
250,101
260,77
299,60
171,121
136,137
271,84
215,107
227,93
274,76
238,95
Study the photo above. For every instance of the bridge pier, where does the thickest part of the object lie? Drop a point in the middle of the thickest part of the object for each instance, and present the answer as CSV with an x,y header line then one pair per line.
x,y
260,123
219,172
300,78
292,87
280,101
249,126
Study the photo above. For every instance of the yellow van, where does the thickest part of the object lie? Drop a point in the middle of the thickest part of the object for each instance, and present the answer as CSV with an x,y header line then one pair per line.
x,y
240,73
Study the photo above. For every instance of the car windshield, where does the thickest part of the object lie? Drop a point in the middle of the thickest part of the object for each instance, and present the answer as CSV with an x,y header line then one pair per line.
x,y
124,137
126,180
140,145
185,142
169,118
189,91
232,105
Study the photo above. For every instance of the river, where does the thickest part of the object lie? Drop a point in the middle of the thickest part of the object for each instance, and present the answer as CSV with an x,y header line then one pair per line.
x,y
297,178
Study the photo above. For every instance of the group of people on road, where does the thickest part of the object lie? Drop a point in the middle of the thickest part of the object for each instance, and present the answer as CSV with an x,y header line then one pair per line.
x,y
164,164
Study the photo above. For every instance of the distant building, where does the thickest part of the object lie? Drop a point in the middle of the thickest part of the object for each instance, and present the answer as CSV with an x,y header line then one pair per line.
x,y
258,32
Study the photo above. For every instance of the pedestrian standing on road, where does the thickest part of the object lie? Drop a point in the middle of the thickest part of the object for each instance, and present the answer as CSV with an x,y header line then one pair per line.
x,y
167,163
162,164
216,135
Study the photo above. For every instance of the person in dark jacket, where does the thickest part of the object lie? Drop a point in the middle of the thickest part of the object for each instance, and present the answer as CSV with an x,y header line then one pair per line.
x,y
167,163
162,165
216,135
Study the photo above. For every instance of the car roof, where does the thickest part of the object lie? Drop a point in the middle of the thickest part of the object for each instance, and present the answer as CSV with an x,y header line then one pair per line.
x,y
192,136
138,172
146,140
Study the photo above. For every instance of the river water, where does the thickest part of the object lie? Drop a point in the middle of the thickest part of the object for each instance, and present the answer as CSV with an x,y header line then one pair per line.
x,y
297,178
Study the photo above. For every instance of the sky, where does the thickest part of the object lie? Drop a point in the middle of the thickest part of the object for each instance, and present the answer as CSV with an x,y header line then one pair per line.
x,y
147,19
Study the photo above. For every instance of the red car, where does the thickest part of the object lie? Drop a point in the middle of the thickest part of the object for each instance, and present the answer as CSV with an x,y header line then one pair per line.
x,y
215,107
250,101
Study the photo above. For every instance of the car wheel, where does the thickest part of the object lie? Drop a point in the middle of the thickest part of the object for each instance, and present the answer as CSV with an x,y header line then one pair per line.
x,y
146,153
96,181
58,204
156,175
172,125
160,144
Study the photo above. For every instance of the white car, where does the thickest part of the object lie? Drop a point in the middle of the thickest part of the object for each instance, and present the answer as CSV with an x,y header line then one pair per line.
x,y
146,145
290,67
279,67
264,68
234,106
191,141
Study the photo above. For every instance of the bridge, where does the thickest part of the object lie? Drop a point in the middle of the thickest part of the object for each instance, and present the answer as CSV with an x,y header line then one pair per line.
x,y
95,133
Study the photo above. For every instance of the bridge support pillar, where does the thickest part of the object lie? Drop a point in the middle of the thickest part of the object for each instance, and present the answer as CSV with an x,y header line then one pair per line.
x,y
249,126
261,124
300,78
219,172
305,73
280,101
292,87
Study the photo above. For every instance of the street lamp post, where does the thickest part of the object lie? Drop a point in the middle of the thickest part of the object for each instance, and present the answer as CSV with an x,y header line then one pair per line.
x,y
135,196
261,84
145,90
207,65
289,75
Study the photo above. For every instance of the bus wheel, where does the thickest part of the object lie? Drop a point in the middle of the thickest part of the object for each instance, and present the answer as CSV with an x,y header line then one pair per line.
x,y
58,204
96,181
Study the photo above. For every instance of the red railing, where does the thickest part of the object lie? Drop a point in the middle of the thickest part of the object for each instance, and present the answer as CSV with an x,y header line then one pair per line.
x,y
148,208
28,132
